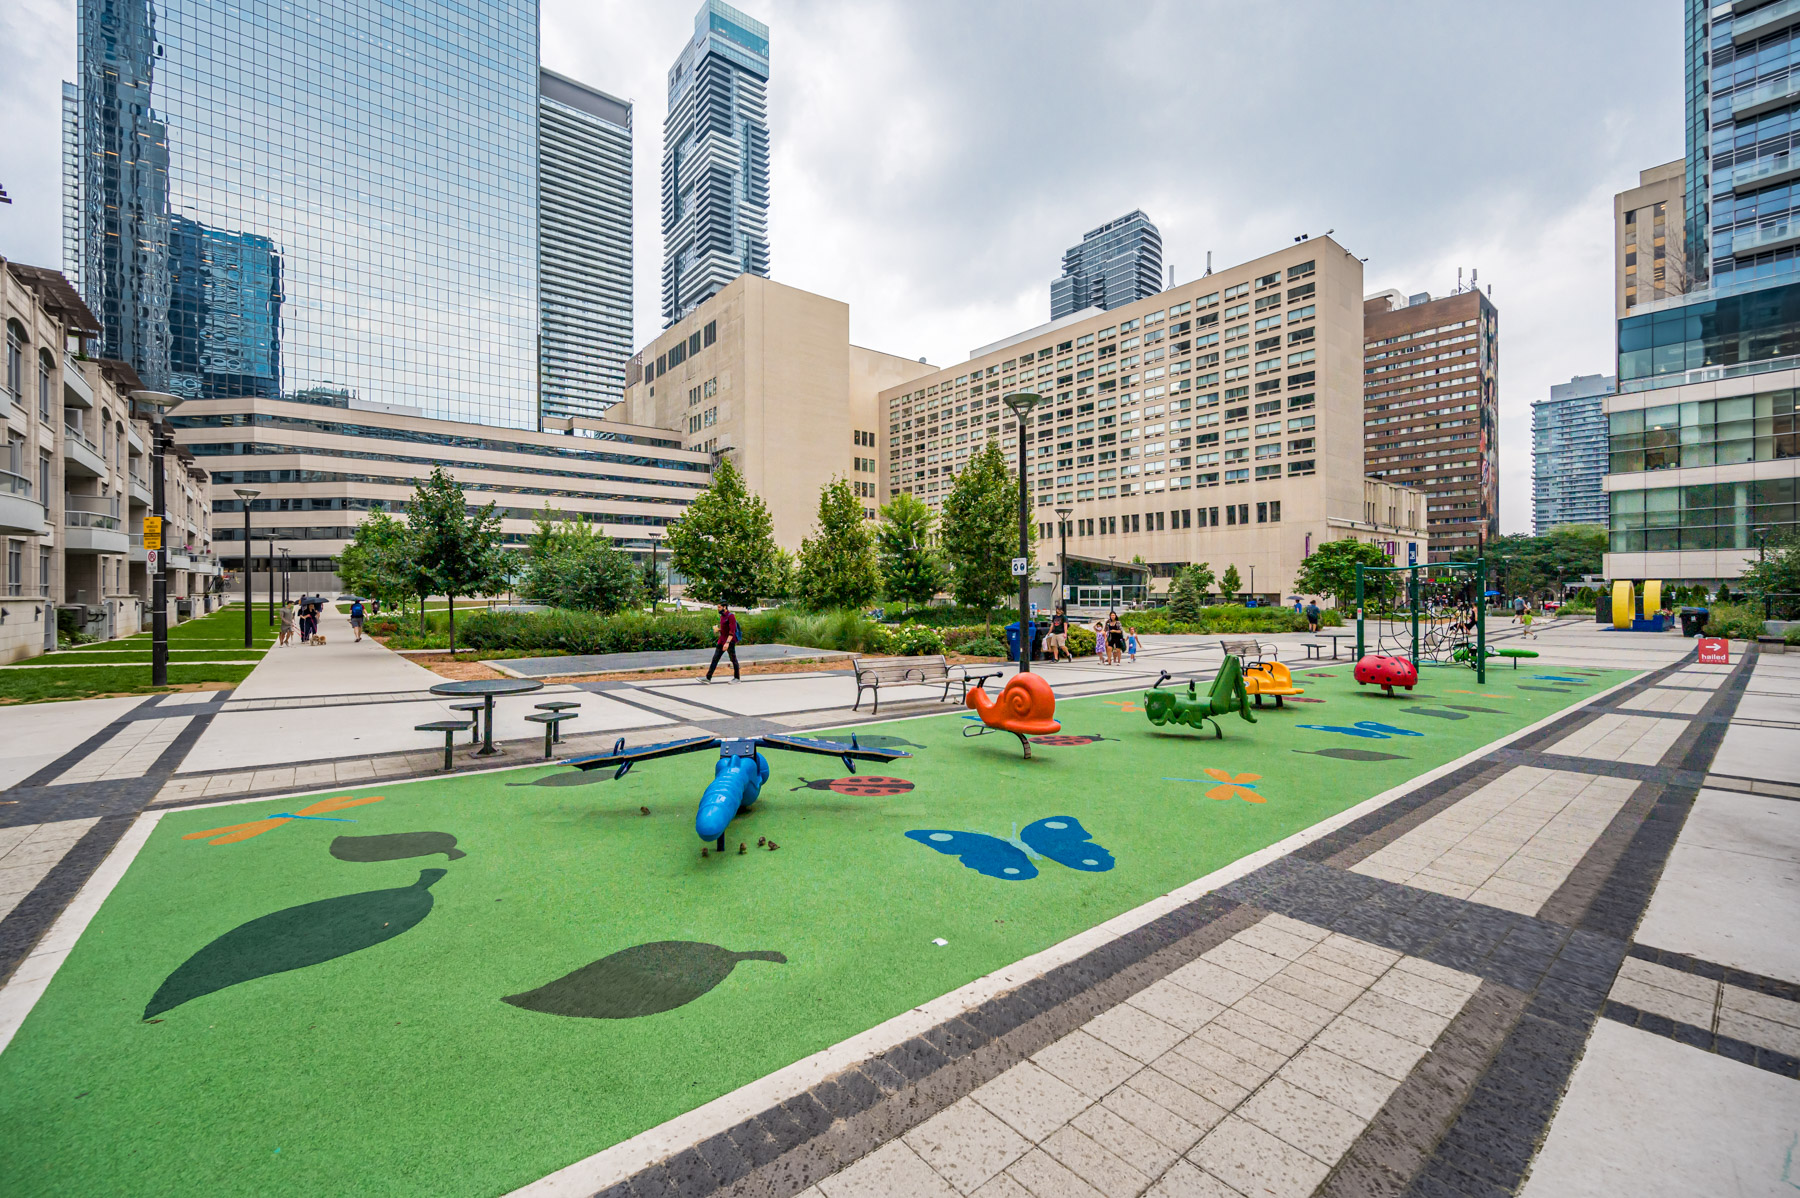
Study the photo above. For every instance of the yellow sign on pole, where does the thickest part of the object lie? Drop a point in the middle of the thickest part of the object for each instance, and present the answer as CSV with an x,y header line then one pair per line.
x,y
152,532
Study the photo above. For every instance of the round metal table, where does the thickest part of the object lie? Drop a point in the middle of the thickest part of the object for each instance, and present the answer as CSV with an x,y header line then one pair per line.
x,y
487,689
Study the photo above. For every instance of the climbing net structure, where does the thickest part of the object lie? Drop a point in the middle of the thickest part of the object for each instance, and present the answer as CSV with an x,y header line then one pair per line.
x,y
1438,615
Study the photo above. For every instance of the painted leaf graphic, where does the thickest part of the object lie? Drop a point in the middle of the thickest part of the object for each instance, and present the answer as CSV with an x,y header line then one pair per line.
x,y
296,937
395,846
645,979
1352,754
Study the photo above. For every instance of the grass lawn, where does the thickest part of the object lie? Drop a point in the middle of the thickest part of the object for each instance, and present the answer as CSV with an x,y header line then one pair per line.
x,y
84,682
198,650
398,1068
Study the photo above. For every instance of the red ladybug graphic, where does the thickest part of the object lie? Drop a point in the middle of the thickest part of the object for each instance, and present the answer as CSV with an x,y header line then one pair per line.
x,y
1067,740
859,784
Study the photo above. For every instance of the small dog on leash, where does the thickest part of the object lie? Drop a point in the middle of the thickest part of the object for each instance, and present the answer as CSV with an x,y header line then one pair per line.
x,y
318,638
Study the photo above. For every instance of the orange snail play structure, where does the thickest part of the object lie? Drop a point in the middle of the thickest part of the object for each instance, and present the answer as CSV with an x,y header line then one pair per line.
x,y
1024,708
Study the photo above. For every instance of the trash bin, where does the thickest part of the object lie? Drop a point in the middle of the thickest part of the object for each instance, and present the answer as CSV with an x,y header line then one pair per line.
x,y
1012,640
1693,620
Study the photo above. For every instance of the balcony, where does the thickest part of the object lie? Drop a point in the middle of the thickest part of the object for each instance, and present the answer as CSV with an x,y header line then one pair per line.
x,y
1765,21
1748,242
76,391
1765,97
139,492
139,556
81,457
19,512
134,439
1765,172
92,525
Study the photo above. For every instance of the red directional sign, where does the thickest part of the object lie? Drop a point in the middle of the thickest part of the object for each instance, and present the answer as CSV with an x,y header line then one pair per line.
x,y
1715,650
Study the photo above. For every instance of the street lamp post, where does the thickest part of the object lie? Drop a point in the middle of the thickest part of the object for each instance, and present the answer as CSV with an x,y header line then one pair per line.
x,y
284,578
247,494
1062,556
271,582
1021,403
157,402
655,580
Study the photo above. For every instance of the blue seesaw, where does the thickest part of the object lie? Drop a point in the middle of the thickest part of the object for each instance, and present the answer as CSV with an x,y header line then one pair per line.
x,y
740,773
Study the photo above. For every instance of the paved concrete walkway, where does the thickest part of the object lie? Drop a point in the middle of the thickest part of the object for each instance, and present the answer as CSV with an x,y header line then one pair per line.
x,y
607,663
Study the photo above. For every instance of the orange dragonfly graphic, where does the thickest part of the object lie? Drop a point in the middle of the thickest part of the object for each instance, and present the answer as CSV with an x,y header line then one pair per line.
x,y
1231,786
232,833
1125,705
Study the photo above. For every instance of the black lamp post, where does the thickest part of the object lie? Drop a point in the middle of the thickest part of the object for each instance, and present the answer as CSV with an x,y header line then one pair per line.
x,y
1062,556
157,402
285,563
1021,403
655,579
271,582
247,494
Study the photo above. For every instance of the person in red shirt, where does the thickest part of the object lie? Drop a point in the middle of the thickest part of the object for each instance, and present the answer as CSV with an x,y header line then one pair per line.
x,y
727,632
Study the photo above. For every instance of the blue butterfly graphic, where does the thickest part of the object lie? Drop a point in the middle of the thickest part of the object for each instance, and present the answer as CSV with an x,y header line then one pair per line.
x,y
1556,678
1371,729
1059,837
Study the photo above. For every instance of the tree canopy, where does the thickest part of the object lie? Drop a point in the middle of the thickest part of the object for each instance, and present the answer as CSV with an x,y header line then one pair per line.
x,y
1538,566
837,563
377,562
456,551
1230,582
980,532
573,564
910,570
724,542
1776,577
1331,570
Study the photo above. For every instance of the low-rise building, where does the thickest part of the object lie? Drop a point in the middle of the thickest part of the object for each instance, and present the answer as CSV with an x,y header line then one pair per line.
x,y
322,466
1218,421
75,482
766,373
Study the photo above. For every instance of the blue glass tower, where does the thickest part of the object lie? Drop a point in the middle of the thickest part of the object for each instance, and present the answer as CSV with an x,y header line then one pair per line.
x,y
1116,264
715,170
1569,454
318,195
1746,119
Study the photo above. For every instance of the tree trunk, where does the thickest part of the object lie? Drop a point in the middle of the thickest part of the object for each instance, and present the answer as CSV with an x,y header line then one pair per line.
x,y
452,599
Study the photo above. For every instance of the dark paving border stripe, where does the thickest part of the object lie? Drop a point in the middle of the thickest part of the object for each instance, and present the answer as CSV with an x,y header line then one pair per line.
x,y
1681,962
1707,1041
26,923
1598,765
80,752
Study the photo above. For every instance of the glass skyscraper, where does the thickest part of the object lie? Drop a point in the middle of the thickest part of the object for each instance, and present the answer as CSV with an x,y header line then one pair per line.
x,y
1568,454
321,196
715,169
1117,264
584,263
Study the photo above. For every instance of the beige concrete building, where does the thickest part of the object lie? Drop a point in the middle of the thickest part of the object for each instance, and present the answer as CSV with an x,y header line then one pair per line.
x,y
322,467
1219,421
767,374
1650,239
75,482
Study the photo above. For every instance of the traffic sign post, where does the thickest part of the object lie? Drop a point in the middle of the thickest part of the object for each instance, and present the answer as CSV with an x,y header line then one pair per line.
x,y
1021,566
152,532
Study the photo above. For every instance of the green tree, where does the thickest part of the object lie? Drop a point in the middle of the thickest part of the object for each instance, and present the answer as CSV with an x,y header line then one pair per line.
x,y
1331,570
540,542
584,572
910,570
456,551
1523,565
651,581
1775,576
723,542
780,585
837,563
980,533
1230,583
1184,597
1203,577
377,563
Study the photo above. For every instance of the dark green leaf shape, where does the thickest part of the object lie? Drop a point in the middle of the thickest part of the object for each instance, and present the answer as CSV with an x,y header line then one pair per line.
x,y
395,846
1435,713
566,778
1353,754
295,938
1555,690
1477,710
645,979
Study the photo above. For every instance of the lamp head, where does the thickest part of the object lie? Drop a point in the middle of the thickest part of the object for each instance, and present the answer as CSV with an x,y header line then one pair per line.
x,y
1021,402
157,401
246,493
1065,512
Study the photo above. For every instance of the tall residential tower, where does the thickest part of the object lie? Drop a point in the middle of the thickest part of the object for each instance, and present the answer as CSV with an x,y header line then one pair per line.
x,y
584,247
1117,264
1568,454
715,171
1650,239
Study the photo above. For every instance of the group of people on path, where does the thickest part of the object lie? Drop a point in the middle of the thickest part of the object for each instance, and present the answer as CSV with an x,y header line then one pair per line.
x,y
1113,642
303,617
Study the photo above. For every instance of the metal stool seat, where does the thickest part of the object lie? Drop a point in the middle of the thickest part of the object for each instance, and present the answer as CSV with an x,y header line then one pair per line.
x,y
552,722
557,705
449,728
475,709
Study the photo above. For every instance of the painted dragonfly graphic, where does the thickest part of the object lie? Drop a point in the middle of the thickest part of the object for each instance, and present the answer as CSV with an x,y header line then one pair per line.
x,y
1229,786
232,833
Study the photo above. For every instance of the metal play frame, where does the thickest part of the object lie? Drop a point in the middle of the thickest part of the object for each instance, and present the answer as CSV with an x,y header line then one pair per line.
x,y
1435,640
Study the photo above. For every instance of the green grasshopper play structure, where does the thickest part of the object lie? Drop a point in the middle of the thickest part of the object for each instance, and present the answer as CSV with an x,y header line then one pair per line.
x,y
1227,695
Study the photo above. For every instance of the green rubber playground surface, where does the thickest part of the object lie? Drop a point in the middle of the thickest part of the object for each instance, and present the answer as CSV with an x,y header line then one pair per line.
x,y
399,1012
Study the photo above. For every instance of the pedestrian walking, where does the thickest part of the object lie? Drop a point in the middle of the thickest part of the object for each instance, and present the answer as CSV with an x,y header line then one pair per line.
x,y
290,621
726,630
1115,639
1131,645
1312,618
356,617
1525,617
1518,606
1099,631
1058,639
306,621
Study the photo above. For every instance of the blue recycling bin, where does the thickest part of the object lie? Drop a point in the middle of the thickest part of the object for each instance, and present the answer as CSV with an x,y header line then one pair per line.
x,y
1012,639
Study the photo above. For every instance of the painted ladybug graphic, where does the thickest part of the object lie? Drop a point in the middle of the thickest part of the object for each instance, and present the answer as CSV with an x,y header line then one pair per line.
x,y
1067,741
865,785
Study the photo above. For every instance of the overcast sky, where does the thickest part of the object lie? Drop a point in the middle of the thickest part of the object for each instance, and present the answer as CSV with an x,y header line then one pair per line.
x,y
932,160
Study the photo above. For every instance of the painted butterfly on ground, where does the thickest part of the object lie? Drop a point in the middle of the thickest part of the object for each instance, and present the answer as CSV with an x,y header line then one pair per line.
x,y
1372,729
1061,838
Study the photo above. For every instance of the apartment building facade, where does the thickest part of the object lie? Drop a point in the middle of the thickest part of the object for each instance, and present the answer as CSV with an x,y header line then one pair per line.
x,y
1217,421
322,467
1432,409
766,373
1650,238
1569,454
75,482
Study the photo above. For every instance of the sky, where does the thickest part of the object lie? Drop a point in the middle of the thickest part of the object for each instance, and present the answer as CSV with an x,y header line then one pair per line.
x,y
933,159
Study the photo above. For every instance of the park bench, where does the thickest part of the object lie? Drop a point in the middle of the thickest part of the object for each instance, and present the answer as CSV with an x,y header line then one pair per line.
x,y
1249,648
873,673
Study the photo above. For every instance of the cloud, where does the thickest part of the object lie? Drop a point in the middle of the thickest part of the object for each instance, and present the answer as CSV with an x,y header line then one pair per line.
x,y
932,159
